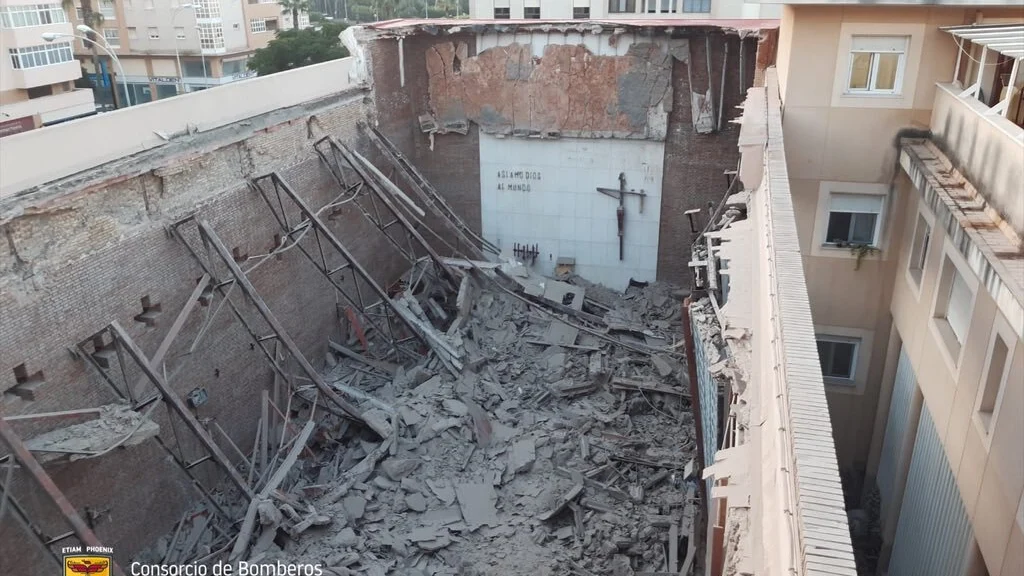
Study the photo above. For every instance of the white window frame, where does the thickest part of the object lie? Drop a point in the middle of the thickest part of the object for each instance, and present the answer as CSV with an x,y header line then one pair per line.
x,y
179,32
864,341
151,34
258,25
915,276
842,97
821,246
133,33
108,10
30,15
114,42
1001,330
855,342
41,55
950,348
871,87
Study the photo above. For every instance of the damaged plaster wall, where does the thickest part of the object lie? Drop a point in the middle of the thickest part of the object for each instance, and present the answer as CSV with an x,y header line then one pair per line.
x,y
555,85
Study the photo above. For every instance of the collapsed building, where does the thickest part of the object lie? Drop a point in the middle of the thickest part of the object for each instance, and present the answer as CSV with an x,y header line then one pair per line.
x,y
417,311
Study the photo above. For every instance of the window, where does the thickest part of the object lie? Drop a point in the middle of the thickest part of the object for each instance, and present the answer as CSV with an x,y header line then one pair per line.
x,y
179,32
996,373
32,15
502,14
621,6
133,33
853,219
954,304
257,25
148,4
154,33
79,14
272,24
838,357
112,36
108,11
919,249
531,12
194,68
698,6
42,55
206,9
40,91
303,20
580,12
211,36
876,64
233,67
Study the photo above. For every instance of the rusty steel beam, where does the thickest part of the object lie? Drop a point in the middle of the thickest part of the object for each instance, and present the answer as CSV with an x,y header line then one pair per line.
x,y
354,297
243,283
175,402
25,457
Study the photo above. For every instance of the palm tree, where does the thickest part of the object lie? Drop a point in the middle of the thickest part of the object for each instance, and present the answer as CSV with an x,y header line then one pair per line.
x,y
295,6
93,20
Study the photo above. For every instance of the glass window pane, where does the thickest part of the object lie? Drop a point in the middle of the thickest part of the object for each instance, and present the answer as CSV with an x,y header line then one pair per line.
x,y
860,70
838,227
888,64
863,228
825,356
842,360
958,310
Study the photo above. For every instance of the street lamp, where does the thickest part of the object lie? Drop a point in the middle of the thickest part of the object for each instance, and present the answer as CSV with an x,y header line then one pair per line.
x,y
177,55
51,36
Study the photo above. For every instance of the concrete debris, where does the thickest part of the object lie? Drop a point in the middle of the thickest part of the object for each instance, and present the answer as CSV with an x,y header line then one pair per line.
x,y
116,426
548,431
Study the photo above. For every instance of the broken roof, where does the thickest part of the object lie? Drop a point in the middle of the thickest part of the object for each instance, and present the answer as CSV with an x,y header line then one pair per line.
x,y
401,27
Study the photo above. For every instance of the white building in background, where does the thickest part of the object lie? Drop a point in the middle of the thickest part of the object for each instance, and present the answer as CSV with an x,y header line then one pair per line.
x,y
618,9
37,78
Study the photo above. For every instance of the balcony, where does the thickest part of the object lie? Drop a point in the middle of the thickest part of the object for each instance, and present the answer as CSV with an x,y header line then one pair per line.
x,y
61,106
984,146
45,75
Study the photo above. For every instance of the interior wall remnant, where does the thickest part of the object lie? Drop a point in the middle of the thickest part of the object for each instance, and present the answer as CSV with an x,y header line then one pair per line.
x,y
569,91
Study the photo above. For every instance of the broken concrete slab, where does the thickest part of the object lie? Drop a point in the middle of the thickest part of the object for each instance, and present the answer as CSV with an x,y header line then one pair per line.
x,y
662,364
398,468
416,502
522,455
355,507
476,501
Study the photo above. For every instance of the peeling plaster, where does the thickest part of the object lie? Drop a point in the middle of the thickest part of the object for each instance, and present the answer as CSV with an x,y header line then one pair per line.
x,y
569,91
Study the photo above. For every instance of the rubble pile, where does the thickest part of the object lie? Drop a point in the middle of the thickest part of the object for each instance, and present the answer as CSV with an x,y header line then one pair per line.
x,y
563,444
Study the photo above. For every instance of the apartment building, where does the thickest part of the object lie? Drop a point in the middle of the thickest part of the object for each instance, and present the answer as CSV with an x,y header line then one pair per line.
x,y
172,46
618,9
37,78
902,140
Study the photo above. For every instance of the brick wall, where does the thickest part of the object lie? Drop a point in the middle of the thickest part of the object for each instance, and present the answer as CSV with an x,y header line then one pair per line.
x,y
453,166
694,163
88,259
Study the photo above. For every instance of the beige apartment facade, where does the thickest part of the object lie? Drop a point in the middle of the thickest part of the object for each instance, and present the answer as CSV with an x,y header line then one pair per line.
x,y
168,47
37,78
905,154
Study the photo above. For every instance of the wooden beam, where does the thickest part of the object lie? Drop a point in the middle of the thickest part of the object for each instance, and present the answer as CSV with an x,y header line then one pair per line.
x,y
176,404
25,457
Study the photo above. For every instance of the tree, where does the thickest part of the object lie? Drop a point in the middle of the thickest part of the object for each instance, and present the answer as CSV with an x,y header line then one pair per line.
x,y
295,6
298,48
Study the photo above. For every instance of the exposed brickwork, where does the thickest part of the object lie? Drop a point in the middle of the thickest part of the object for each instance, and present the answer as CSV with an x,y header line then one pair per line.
x,y
453,166
89,259
694,163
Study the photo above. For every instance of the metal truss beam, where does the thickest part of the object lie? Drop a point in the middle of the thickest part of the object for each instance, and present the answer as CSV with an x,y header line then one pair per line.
x,y
396,330
217,251
430,196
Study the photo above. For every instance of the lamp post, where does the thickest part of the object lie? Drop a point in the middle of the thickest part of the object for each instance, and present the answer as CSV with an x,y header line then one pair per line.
x,y
177,55
85,29
51,36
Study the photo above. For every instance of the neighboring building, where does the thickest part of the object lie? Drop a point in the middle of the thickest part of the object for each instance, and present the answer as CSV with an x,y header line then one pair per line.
x,y
618,9
902,163
37,78
213,39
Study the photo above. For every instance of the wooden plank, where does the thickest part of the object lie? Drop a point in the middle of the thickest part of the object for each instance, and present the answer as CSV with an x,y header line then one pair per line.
x,y
175,402
249,522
